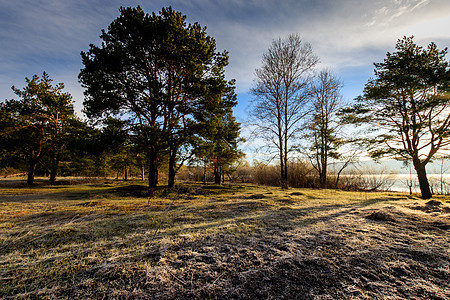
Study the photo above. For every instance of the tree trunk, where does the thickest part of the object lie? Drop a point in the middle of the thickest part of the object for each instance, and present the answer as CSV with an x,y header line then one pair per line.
x,y
217,172
53,174
323,175
285,134
152,170
172,166
323,182
285,180
283,175
281,146
54,167
31,171
442,176
204,172
423,180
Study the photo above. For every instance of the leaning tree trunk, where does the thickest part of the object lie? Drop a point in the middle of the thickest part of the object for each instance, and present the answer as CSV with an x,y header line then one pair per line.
x,y
423,180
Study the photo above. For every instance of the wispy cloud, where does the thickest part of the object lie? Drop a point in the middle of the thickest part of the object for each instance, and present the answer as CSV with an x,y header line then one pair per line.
x,y
393,10
348,35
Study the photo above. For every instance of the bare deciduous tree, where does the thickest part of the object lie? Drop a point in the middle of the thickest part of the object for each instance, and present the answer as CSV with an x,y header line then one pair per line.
x,y
281,94
324,126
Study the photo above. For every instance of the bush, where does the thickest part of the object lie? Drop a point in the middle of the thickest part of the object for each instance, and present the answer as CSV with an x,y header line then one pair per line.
x,y
300,174
194,173
367,179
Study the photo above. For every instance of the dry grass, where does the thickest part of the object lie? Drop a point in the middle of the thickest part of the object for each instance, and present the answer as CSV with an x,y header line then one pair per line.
x,y
233,242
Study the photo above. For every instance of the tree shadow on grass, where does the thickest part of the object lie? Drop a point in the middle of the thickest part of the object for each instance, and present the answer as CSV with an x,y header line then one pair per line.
x,y
273,262
241,248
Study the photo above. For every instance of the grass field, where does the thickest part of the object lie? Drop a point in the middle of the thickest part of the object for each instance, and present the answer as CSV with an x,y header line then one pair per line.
x,y
108,240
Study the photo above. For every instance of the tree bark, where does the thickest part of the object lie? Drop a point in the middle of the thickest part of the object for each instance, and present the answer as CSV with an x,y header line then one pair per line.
x,y
283,174
323,175
285,179
152,169
423,180
31,171
54,167
323,180
204,172
217,173
53,174
172,166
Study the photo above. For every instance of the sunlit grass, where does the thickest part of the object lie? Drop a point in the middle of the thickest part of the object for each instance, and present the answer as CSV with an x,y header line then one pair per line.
x,y
54,237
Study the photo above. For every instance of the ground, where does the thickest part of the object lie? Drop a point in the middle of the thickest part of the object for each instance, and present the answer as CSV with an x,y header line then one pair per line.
x,y
108,240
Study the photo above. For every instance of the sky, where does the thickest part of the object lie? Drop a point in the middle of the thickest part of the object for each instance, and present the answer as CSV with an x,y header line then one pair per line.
x,y
347,35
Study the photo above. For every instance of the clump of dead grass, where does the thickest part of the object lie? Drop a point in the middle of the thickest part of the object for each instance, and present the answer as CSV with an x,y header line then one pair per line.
x,y
432,206
381,216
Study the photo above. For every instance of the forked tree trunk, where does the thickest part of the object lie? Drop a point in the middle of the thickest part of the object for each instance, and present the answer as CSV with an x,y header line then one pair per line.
x,y
423,180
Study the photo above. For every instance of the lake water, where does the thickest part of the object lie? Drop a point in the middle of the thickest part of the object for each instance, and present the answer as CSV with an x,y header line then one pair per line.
x,y
399,182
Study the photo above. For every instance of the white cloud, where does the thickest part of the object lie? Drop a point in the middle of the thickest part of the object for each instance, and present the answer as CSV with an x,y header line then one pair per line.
x,y
48,35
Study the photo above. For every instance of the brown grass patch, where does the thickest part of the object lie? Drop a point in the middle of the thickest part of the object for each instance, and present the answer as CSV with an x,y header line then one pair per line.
x,y
109,241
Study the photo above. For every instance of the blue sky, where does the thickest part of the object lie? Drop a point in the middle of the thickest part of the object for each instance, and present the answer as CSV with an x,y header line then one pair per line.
x,y
347,35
